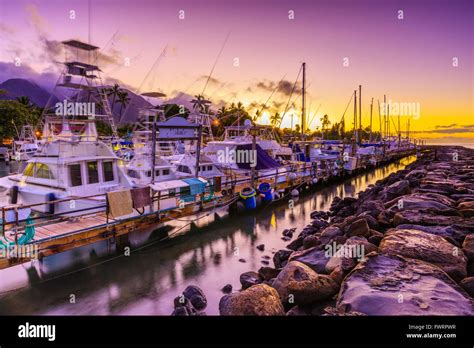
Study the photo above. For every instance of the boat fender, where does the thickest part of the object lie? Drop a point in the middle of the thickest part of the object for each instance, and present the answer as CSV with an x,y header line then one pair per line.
x,y
295,192
49,198
14,194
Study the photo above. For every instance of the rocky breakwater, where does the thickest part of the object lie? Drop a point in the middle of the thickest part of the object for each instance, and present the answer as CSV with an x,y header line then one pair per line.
x,y
404,246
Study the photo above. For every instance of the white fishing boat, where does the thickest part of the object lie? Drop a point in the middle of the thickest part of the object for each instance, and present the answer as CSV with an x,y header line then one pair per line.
x,y
72,163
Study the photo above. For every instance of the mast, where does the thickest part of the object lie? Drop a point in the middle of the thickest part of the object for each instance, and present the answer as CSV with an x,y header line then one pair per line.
x,y
303,111
371,108
356,132
360,110
384,116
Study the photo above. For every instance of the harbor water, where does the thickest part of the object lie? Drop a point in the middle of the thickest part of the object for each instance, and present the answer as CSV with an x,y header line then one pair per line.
x,y
147,281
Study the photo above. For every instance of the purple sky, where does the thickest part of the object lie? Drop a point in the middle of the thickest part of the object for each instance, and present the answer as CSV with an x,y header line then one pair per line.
x,y
410,60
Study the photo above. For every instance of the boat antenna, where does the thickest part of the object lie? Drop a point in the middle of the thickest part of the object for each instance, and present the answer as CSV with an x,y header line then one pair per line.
x,y
215,63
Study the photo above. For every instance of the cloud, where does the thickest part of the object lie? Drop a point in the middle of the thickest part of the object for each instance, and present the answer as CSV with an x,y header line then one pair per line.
x,y
284,86
39,23
212,80
448,129
44,79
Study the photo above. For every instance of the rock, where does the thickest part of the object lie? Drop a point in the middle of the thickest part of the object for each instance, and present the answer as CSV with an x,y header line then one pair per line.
x,y
396,189
227,289
373,207
261,247
346,256
329,233
298,311
427,247
303,284
181,301
199,302
360,227
297,243
428,219
394,285
468,285
193,290
313,258
247,279
468,247
289,232
259,299
448,232
196,297
467,209
375,237
420,202
334,312
265,262
181,311
319,224
242,260
310,241
281,257
267,273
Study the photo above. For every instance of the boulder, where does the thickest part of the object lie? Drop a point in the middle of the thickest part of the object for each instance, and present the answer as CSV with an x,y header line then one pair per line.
x,y
346,256
468,285
450,233
267,273
428,219
299,284
314,258
247,279
329,233
280,258
395,190
259,299
467,209
468,246
394,285
427,247
359,227
310,241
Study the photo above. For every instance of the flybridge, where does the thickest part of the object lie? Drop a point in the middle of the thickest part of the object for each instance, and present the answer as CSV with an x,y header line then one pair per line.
x,y
67,108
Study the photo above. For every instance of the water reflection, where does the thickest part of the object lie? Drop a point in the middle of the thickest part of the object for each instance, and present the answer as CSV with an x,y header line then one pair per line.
x,y
147,281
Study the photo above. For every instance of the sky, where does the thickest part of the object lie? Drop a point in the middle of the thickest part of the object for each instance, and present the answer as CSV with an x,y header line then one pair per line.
x,y
414,51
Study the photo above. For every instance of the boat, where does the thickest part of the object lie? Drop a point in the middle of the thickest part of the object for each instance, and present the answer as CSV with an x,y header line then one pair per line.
x,y
72,163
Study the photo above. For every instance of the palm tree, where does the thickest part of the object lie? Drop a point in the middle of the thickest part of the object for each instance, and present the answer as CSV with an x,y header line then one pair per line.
x,y
24,100
198,102
123,100
275,119
222,111
114,91
325,123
